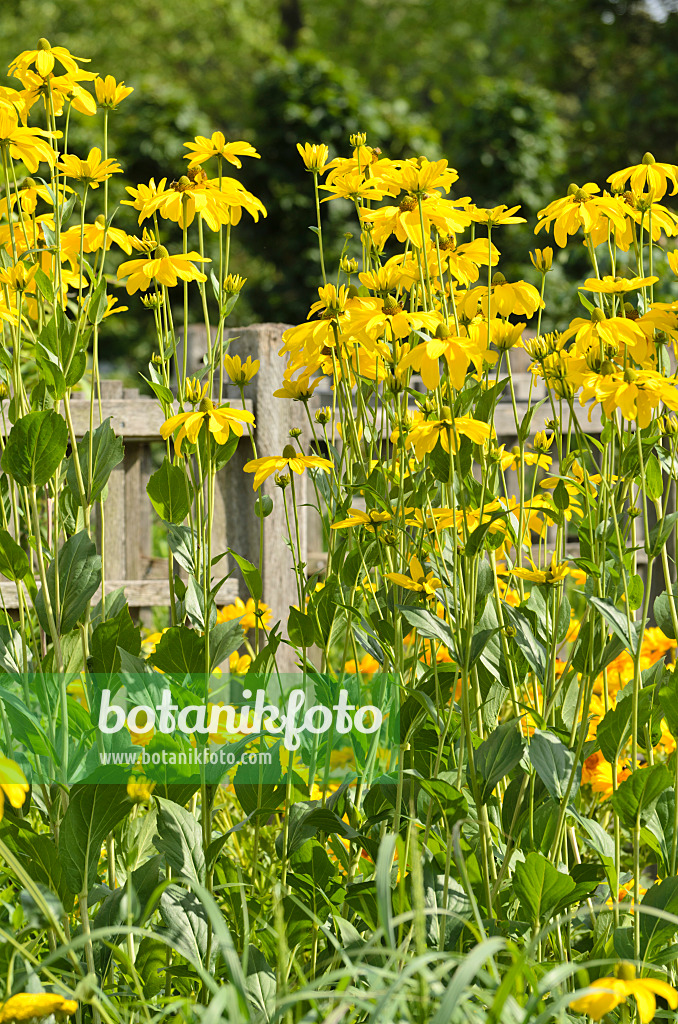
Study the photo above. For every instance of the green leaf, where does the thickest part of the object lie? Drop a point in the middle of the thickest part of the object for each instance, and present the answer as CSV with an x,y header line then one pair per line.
x,y
533,651
35,447
475,541
638,794
93,811
180,839
561,498
429,626
79,577
171,492
107,453
662,611
250,573
180,650
96,307
540,887
260,985
300,628
661,896
615,619
635,590
497,756
553,762
119,631
225,638
185,919
14,562
160,391
660,533
654,485
151,964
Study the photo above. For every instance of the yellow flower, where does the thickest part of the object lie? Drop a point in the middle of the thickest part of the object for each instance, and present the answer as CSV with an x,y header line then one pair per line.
x,y
616,285
110,93
142,195
354,186
238,664
647,174
214,201
420,176
26,1006
607,993
204,149
556,573
370,520
495,216
263,468
542,259
19,277
43,58
13,784
246,612
65,89
581,207
425,434
25,144
163,268
314,157
518,297
418,580
241,373
91,171
220,422
367,666
140,789
299,390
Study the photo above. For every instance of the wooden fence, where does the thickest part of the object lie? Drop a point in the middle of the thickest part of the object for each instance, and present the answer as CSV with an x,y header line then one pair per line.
x,y
128,515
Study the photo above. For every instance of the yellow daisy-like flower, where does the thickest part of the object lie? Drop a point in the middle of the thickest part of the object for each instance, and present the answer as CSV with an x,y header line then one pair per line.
x,y
26,144
517,297
91,171
241,373
290,458
581,207
370,520
43,59
420,176
647,174
27,1005
556,572
246,611
140,789
605,994
457,351
496,215
110,93
315,157
13,784
142,195
299,390
203,149
163,268
418,580
220,423
425,435
238,664
616,285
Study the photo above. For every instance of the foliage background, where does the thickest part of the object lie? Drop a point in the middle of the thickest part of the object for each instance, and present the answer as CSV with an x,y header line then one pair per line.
x,y
522,96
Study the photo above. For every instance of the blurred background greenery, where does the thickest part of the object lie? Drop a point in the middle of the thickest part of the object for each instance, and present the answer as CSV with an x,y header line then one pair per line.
x,y
522,97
